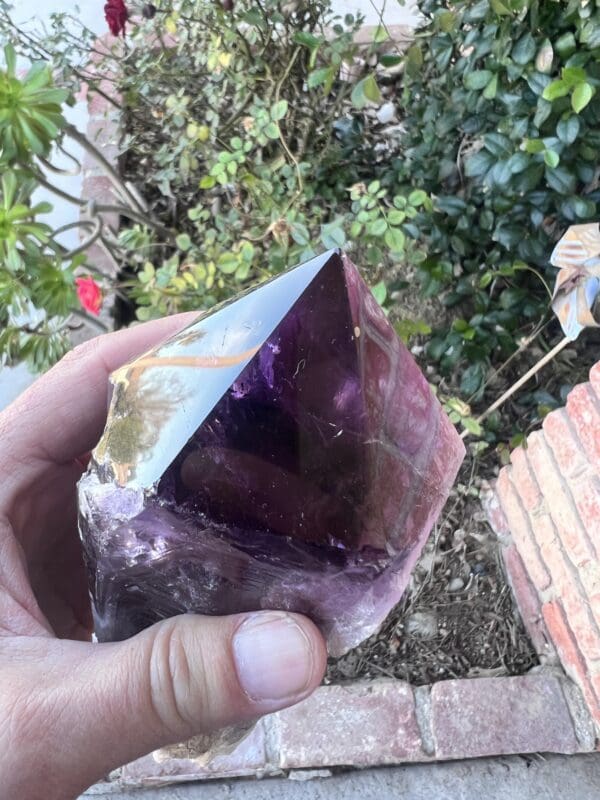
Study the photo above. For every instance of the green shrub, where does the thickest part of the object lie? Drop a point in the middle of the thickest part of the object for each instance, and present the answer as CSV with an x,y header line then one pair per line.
x,y
250,136
502,116
246,131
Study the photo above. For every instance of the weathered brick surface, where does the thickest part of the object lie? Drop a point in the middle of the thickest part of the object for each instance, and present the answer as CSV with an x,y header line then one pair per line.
x,y
522,476
558,499
521,531
570,655
551,498
365,724
584,412
361,724
100,189
528,603
565,445
586,496
501,715
595,379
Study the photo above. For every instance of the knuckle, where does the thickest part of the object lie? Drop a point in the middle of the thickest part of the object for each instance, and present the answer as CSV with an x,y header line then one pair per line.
x,y
177,693
81,352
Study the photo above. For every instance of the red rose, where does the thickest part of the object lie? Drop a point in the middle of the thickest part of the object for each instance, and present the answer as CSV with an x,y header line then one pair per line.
x,y
89,294
115,12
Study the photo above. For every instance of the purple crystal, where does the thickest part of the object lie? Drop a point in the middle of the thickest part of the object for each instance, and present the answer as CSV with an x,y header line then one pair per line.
x,y
284,451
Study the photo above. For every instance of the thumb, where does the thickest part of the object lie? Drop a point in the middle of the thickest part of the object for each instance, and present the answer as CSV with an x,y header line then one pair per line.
x,y
181,677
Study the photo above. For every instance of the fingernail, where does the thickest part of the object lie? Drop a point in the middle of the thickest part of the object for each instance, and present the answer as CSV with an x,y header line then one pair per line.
x,y
273,657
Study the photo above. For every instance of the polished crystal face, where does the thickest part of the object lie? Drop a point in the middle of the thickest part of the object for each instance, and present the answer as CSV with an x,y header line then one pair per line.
x,y
284,451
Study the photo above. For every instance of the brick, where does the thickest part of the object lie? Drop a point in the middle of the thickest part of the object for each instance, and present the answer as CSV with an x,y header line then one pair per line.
x,y
103,133
100,104
100,189
584,412
563,441
187,762
570,655
496,716
100,260
595,379
527,602
360,724
586,496
558,499
524,481
569,588
521,530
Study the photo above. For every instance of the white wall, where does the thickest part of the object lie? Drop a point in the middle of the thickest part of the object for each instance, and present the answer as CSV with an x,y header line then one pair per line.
x,y
392,11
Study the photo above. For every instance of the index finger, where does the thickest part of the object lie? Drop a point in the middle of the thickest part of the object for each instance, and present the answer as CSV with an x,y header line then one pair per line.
x,y
62,414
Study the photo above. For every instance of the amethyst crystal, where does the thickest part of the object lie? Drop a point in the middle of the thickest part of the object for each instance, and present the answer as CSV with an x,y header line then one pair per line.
x,y
283,452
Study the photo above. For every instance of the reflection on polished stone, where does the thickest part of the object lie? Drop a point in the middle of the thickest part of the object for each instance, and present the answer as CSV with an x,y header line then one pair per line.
x,y
284,451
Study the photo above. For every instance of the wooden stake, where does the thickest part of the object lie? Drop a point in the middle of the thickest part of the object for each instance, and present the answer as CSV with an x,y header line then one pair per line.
x,y
522,380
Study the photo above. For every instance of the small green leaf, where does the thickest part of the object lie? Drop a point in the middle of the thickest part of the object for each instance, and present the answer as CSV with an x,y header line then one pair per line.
x,y
555,90
272,130
478,79
533,146
228,263
414,59
207,182
524,50
582,94
378,227
307,39
389,60
417,197
551,158
11,59
379,292
568,129
446,21
500,8
183,241
395,240
300,234
490,90
472,426
364,91
573,75
318,77
332,235
396,217
565,45
380,35
486,279
9,189
279,110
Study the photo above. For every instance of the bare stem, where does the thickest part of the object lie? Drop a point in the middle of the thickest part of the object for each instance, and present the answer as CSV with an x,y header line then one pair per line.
x,y
112,174
522,380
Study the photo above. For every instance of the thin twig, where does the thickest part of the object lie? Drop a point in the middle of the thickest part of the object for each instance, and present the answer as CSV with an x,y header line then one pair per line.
x,y
522,380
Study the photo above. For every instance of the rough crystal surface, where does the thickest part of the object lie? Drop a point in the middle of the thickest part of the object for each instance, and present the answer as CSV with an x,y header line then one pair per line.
x,y
284,451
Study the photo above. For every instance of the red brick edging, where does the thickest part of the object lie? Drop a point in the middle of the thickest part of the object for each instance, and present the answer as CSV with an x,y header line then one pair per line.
x,y
388,722
550,497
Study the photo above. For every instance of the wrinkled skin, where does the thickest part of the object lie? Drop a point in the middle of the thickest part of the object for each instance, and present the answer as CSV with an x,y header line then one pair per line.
x,y
70,710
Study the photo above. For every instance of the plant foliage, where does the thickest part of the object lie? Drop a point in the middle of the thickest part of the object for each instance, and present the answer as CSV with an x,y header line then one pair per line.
x,y
502,121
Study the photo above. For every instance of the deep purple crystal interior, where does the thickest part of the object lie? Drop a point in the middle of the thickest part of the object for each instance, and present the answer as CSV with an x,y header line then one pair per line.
x,y
296,459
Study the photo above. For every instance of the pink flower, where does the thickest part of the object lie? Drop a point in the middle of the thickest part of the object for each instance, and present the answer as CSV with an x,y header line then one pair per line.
x,y
89,294
115,12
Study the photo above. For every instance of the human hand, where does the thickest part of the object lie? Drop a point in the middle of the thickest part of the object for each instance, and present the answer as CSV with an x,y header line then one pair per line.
x,y
70,710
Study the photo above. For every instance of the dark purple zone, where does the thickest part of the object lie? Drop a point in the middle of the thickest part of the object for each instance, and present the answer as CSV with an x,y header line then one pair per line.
x,y
283,451
313,474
